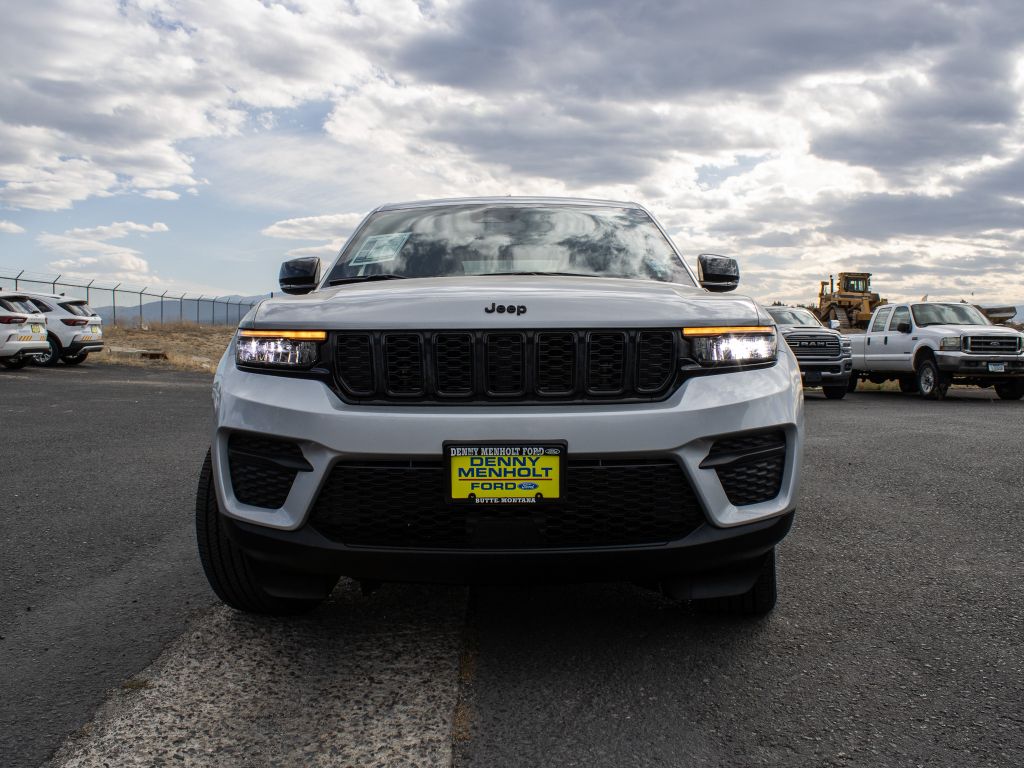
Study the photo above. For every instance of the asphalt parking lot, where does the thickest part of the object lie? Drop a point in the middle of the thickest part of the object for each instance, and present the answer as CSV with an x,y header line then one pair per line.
x,y
898,639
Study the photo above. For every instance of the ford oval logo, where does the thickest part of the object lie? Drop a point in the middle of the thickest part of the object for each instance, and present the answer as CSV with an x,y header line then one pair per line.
x,y
528,486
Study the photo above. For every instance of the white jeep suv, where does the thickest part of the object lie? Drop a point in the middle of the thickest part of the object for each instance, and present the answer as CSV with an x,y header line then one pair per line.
x,y
503,390
74,329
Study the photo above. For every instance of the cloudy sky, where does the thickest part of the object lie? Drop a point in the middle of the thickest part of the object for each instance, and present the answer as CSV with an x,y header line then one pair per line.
x,y
197,143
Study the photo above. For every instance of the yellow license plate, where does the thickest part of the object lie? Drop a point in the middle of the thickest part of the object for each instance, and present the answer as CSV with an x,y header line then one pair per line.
x,y
505,473
36,328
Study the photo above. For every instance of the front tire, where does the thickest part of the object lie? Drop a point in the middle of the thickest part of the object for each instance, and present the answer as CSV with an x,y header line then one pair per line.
x,y
231,573
931,382
851,385
1010,390
75,359
14,363
759,600
52,356
835,393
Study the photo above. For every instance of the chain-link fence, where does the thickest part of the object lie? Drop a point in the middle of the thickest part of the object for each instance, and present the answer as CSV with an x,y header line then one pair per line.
x,y
122,305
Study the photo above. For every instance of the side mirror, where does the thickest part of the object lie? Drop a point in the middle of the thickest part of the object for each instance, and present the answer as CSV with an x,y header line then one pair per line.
x,y
835,325
717,273
299,275
903,327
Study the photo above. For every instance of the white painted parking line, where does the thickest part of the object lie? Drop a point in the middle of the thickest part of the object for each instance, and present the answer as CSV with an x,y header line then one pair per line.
x,y
363,681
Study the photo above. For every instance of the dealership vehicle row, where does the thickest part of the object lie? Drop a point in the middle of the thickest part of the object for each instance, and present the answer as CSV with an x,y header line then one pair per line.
x,y
46,329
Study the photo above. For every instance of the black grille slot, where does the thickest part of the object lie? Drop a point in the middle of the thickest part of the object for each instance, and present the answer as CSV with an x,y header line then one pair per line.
x,y
263,469
353,357
749,466
530,366
505,363
453,364
606,363
403,362
556,363
617,503
655,360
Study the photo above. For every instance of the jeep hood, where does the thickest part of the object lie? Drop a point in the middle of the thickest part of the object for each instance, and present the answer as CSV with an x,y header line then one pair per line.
x,y
549,301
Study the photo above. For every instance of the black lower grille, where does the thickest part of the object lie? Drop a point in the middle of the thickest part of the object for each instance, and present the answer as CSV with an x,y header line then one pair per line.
x,y
749,466
512,366
263,469
607,503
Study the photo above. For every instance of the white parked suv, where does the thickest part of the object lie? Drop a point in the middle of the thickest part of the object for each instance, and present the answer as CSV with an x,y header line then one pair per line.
x,y
503,390
22,330
74,329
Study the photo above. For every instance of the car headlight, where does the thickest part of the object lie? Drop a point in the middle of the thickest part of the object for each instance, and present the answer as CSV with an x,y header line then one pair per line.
x,y
950,342
846,344
294,350
732,345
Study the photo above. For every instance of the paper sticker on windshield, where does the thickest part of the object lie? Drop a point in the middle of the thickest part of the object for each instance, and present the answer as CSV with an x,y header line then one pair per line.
x,y
379,248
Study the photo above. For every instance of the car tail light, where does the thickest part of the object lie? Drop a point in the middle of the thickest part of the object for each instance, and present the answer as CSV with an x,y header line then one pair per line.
x,y
12,320
74,321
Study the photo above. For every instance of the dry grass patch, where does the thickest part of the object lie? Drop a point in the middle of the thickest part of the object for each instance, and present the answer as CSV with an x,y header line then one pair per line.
x,y
188,346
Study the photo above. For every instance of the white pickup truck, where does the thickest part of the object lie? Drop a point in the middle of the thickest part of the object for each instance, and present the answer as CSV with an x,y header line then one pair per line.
x,y
928,345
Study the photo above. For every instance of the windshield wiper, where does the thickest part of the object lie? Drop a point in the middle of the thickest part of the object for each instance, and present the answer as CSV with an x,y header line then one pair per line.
x,y
559,274
364,279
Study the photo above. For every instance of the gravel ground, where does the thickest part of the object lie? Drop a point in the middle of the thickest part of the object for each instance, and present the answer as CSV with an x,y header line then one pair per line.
x,y
897,640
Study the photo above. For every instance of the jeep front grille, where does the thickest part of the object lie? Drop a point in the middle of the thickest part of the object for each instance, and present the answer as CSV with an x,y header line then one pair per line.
x,y
506,366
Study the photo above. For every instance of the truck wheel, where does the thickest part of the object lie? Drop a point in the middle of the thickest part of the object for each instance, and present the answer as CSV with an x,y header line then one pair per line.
x,y
931,382
835,392
851,385
1010,390
75,359
231,573
759,600
14,363
908,384
51,357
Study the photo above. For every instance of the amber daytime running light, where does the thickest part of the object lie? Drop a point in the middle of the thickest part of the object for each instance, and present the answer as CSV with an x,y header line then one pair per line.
x,y
278,349
732,344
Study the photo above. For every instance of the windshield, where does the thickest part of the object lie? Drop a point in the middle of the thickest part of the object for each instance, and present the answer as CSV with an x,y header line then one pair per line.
x,y
791,316
494,239
947,314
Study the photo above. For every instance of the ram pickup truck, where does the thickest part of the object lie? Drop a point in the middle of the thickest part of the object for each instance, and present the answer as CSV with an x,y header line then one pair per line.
x,y
502,390
823,353
926,346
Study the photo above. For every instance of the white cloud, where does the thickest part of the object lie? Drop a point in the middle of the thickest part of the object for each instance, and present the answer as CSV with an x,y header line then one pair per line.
x,y
10,228
799,141
87,252
161,194
331,225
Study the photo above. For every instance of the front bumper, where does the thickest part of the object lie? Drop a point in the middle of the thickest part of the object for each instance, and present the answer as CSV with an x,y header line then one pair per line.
x,y
708,563
826,372
980,366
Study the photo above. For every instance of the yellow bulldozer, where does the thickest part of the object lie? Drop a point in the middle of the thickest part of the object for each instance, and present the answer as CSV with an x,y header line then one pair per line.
x,y
853,302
